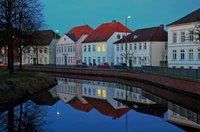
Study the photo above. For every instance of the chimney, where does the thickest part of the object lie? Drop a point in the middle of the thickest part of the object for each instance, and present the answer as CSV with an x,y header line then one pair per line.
x,y
162,26
114,21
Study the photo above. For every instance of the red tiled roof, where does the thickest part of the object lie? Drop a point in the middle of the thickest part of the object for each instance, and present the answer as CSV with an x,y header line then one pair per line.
x,y
106,108
77,104
80,30
105,31
146,34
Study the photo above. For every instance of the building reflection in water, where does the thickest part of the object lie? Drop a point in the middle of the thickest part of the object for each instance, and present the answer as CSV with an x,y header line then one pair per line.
x,y
110,100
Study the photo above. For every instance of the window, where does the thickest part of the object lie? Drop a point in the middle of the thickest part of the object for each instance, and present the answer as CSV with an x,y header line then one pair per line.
x,y
99,92
174,37
89,60
104,93
73,48
135,46
145,46
190,54
104,48
182,37
174,55
89,48
65,49
84,48
130,46
104,59
182,54
40,50
99,48
45,59
191,36
117,59
45,50
99,60
65,39
117,47
40,59
135,60
85,59
93,47
122,60
139,60
118,36
122,47
140,46
198,54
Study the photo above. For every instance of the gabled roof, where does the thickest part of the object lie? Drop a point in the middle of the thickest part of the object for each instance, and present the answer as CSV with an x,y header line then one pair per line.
x,y
192,17
105,108
78,31
77,104
105,31
146,34
44,37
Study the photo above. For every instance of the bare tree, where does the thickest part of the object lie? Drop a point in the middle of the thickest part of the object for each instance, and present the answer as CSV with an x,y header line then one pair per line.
x,y
18,17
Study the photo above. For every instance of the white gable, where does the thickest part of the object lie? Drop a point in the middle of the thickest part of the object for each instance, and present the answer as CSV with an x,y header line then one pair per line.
x,y
65,40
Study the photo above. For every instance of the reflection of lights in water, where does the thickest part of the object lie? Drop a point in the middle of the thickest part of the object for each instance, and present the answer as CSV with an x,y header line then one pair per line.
x,y
135,106
58,113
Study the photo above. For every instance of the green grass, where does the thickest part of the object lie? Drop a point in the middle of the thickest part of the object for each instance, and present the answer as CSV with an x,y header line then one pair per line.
x,y
19,74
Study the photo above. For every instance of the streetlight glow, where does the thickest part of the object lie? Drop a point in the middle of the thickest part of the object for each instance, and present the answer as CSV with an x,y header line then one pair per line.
x,y
128,17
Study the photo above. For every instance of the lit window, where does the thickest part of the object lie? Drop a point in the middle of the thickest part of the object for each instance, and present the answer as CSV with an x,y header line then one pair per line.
x,y
99,92
104,93
99,48
104,48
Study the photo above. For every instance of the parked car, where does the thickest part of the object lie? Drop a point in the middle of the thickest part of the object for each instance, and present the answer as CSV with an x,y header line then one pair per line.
x,y
104,65
2,63
82,65
120,66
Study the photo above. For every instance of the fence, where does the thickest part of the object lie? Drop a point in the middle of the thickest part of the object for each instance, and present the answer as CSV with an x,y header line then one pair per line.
x,y
172,72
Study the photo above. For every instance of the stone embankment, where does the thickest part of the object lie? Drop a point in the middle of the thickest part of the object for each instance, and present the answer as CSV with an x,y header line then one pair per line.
x,y
13,90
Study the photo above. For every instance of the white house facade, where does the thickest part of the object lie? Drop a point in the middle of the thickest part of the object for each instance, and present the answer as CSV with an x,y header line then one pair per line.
x,y
183,43
98,47
65,51
145,47
43,50
69,48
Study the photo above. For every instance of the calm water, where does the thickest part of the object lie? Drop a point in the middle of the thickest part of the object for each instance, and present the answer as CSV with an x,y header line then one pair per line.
x,y
93,106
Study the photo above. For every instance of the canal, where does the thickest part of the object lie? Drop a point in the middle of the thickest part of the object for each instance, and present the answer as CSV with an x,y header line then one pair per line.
x,y
76,105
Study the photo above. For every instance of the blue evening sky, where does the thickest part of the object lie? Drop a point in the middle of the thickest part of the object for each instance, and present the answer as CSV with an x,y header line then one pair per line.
x,y
66,14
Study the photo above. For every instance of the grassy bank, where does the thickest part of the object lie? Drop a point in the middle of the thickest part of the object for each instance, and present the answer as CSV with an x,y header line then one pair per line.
x,y
19,74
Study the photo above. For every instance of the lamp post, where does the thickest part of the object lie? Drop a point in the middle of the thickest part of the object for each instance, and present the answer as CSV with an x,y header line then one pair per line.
x,y
126,46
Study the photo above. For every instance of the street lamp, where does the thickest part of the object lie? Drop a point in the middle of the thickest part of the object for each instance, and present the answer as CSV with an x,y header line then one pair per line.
x,y
127,17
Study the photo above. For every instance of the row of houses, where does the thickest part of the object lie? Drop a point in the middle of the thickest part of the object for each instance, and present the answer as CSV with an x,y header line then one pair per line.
x,y
114,43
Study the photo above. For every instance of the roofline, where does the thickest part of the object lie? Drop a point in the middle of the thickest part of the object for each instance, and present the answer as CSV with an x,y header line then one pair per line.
x,y
140,41
182,23
94,42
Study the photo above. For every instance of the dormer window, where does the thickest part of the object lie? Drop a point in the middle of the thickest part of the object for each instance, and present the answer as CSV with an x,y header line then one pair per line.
x,y
135,36
118,36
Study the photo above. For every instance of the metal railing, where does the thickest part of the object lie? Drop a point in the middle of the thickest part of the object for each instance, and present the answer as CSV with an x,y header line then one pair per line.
x,y
164,71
